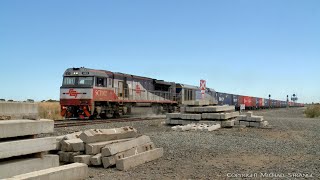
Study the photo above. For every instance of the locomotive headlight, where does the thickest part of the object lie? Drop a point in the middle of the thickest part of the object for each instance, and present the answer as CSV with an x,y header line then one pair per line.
x,y
75,73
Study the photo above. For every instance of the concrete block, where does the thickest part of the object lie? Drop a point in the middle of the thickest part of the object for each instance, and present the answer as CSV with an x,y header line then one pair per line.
x,y
96,160
225,116
15,128
210,122
244,123
73,154
212,109
213,127
213,116
255,118
201,127
229,123
254,124
72,145
186,122
189,109
60,155
239,126
111,160
64,156
68,157
19,110
235,113
173,115
58,142
98,135
112,149
175,122
182,109
184,128
20,166
74,135
249,114
264,123
28,146
95,148
82,159
194,128
174,128
191,116
138,159
167,121
242,117
236,122
75,171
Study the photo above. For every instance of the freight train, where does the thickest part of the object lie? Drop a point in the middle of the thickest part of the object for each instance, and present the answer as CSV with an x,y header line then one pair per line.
x,y
252,103
91,93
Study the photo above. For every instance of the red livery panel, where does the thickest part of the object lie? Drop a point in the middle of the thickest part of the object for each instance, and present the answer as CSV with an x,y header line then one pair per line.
x,y
104,95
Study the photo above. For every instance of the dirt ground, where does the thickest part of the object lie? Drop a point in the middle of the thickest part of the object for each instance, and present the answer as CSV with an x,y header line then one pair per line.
x,y
289,150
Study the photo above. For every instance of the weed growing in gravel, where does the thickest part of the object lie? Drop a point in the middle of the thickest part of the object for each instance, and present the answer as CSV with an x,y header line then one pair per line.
x,y
313,111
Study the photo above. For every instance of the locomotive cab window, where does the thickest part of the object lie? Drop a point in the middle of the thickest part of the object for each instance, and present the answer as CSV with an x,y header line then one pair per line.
x,y
85,81
77,81
69,81
100,82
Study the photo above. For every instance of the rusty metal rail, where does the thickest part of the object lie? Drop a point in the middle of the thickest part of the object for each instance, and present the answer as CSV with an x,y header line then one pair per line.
x,y
70,123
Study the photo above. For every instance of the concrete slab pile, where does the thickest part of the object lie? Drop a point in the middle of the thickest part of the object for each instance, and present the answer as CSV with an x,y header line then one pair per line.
x,y
105,147
224,115
249,120
23,156
20,150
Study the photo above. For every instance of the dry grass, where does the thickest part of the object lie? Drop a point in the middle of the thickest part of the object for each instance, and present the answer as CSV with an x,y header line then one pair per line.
x,y
313,111
49,110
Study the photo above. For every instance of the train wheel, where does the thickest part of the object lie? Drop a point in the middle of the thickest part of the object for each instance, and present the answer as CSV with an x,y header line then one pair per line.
x,y
93,117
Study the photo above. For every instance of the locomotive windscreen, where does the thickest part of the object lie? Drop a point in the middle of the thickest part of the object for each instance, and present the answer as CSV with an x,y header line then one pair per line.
x,y
77,81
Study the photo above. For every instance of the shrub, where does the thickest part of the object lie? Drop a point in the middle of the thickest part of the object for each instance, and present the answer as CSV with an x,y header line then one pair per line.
x,y
49,110
313,111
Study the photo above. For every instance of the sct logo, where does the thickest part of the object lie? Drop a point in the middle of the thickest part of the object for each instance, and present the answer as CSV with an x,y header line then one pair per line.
x,y
73,92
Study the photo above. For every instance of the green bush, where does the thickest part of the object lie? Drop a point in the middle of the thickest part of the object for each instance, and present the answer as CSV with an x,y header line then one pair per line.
x,y
313,111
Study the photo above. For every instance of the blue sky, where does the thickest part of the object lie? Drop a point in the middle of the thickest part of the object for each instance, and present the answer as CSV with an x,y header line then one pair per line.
x,y
251,47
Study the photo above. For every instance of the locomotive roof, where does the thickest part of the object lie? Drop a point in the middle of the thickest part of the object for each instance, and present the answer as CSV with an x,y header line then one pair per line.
x,y
95,72
193,87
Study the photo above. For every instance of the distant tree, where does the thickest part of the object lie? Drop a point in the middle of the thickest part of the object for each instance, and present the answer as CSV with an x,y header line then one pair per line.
x,y
51,100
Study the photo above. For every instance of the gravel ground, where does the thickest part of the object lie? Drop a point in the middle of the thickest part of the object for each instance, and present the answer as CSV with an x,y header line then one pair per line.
x,y
292,145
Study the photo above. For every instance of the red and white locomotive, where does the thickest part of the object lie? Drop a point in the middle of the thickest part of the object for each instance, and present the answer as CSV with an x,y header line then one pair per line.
x,y
89,93
98,93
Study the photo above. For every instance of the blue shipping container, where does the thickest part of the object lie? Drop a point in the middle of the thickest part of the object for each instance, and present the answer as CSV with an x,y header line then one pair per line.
x,y
235,100
224,98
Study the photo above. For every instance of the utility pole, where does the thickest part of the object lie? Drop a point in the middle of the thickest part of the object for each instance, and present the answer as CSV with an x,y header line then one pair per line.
x,y
269,101
287,101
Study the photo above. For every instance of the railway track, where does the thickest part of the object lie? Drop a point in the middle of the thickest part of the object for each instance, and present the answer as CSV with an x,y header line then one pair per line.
x,y
70,123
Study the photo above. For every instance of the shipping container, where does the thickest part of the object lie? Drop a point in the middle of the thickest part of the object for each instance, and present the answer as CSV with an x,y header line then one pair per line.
x,y
255,102
246,100
259,103
224,98
235,100
266,103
